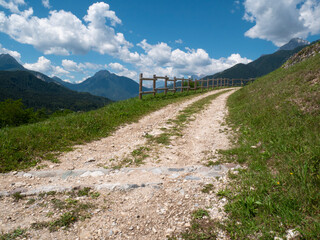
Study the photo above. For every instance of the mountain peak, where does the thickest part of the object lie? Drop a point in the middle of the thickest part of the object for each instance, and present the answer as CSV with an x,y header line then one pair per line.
x,y
102,73
293,43
7,62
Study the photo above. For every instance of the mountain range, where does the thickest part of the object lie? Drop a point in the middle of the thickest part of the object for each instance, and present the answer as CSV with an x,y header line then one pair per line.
x,y
106,84
263,65
40,91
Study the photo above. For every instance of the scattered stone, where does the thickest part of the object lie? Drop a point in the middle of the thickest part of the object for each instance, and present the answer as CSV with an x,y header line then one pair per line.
x,y
293,234
27,175
90,160
192,178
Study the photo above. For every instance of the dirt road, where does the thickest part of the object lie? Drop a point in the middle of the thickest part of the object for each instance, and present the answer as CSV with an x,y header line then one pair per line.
x,y
149,201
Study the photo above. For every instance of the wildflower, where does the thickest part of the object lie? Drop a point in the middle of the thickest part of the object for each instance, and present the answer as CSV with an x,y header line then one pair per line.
x,y
278,183
291,173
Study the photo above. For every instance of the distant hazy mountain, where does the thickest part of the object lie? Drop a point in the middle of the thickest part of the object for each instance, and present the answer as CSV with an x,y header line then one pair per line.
x,y
106,84
294,43
261,66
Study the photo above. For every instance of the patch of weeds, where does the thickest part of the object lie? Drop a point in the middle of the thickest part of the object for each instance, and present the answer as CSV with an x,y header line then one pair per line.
x,y
200,213
140,154
31,201
42,195
51,193
64,221
207,188
17,233
84,192
17,196
117,167
95,194
163,138
201,228
58,204
224,193
49,214
75,211
232,175
41,166
71,202
213,163
39,225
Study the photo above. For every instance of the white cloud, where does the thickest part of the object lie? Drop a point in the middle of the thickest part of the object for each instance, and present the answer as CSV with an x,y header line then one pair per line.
x,y
123,71
179,41
160,59
44,65
12,5
14,54
63,33
46,3
72,66
280,20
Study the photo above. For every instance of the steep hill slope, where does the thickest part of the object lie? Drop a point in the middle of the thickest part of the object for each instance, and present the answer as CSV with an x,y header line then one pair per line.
x,y
262,66
278,121
37,93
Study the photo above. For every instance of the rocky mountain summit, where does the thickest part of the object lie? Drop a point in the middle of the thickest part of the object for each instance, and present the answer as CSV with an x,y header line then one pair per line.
x,y
294,43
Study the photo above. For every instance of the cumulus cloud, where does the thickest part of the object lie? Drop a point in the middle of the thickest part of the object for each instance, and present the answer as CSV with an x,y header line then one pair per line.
x,y
14,54
63,33
163,60
120,70
281,20
46,3
72,66
12,5
44,65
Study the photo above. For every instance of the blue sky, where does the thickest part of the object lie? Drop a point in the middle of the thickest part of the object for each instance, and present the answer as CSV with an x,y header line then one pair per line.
x,y
75,39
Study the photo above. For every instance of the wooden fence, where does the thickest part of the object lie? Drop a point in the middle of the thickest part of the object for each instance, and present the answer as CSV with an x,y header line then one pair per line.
x,y
187,83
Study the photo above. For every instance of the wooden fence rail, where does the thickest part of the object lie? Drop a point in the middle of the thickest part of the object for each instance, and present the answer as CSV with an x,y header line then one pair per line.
x,y
186,84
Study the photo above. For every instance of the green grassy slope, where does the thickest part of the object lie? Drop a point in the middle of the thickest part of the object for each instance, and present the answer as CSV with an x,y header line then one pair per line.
x,y
278,123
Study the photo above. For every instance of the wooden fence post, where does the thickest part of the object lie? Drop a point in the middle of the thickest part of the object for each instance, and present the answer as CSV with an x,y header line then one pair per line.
x,y
165,85
140,86
154,85
174,84
213,83
182,81
188,84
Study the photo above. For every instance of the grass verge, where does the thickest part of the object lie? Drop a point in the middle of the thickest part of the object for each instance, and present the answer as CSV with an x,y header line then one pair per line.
x,y
278,123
